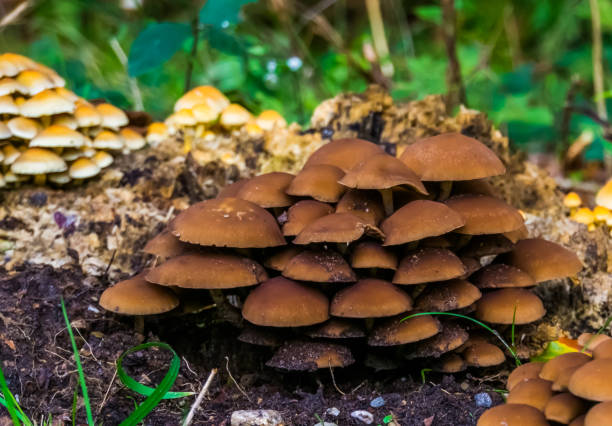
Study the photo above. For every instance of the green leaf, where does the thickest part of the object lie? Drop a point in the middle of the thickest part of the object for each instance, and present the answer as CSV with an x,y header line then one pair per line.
x,y
222,41
553,350
156,44
221,13
431,14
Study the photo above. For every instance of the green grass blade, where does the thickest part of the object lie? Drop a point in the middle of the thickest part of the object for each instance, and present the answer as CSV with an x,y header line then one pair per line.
x,y
513,324
9,401
77,360
154,396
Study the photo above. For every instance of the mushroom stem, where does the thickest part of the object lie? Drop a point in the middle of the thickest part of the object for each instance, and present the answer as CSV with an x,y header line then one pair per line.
x,y
369,323
139,324
40,179
342,248
226,312
187,142
199,130
445,190
462,241
45,120
387,198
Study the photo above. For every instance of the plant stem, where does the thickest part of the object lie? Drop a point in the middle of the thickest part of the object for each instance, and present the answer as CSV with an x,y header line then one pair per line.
x,y
454,84
195,28
377,27
598,73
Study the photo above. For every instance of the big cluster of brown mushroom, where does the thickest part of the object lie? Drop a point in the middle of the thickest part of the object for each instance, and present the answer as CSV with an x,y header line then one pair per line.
x,y
574,388
337,255
49,133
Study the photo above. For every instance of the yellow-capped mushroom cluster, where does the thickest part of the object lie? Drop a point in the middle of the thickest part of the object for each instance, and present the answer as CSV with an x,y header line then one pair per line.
x,y
600,215
351,245
48,133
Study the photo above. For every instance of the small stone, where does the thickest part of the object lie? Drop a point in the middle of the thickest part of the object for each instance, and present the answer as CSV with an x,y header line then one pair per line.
x,y
256,418
377,402
333,411
464,386
364,416
38,199
325,424
483,399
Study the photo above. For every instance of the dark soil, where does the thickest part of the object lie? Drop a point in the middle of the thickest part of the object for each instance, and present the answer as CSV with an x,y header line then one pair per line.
x,y
37,360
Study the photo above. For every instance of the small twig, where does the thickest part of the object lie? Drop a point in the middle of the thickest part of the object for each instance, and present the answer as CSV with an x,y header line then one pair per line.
x,y
200,397
331,371
454,83
598,72
110,262
13,15
234,380
356,388
107,392
114,43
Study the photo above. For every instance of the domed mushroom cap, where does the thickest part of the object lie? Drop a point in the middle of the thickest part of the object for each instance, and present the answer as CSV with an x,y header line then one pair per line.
x,y
369,254
564,407
87,116
47,102
319,182
451,156
112,117
57,136
310,356
279,260
132,140
156,133
428,265
267,190
500,275
512,415
8,86
450,337
23,128
234,115
232,189
34,81
530,370
534,392
337,328
370,298
8,105
519,234
260,336
102,159
483,354
335,228
5,132
83,168
599,415
135,296
417,220
449,363
604,195
270,119
592,340
593,380
603,350
486,245
381,171
302,214
561,383
207,271
37,161
165,244
471,265
229,222
485,215
280,302
543,260
397,332
553,368
107,140
205,114
448,296
344,153
319,266
367,205
498,307
202,94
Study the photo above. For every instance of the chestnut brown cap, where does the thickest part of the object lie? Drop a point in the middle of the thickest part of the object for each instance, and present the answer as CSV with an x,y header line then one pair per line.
x,y
260,336
310,356
564,407
165,244
304,213
428,265
319,266
228,222
599,414
592,340
534,392
486,245
135,296
394,331
593,380
381,171
499,276
232,189
344,153
267,190
448,296
471,265
419,219
578,421
337,328
603,350
483,354
485,215
553,368
278,261
543,260
319,182
512,415
449,363
336,228
367,205
207,271
498,307
370,298
530,370
450,337
561,384
450,157
280,302
368,254
517,235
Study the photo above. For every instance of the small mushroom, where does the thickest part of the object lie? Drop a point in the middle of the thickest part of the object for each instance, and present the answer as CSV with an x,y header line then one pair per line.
x,y
371,255
553,368
267,190
484,215
335,228
302,214
367,205
513,415
370,298
534,392
604,195
599,415
319,182
428,265
530,370
593,380
344,153
323,266
564,407
310,356
500,276
396,331
510,306
38,162
448,296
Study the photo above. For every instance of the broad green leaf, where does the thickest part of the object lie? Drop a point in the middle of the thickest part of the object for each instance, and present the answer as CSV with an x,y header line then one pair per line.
x,y
222,13
223,41
155,45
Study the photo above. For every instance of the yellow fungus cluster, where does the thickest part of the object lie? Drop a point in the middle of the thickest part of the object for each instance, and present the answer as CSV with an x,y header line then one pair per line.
x,y
48,133
601,214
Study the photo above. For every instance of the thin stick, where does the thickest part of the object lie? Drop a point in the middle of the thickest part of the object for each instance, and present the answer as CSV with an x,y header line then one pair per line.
x,y
598,73
107,392
234,380
200,397
331,371
454,83
13,15
195,29
377,27
114,43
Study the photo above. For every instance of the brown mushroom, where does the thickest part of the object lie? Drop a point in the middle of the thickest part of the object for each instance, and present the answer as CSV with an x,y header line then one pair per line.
x,y
336,228
310,356
553,368
486,245
278,261
343,153
599,415
267,190
530,370
450,337
368,254
319,266
603,350
337,328
232,189
397,331
534,392
593,380
483,354
564,407
512,415
484,215
500,276
136,296
367,205
304,213
449,363
510,306
448,296
370,298
165,244
428,265
319,182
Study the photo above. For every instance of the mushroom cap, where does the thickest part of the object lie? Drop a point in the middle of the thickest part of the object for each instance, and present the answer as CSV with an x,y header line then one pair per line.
x,y
519,234
553,368
108,140
270,119
483,354
335,228
132,140
207,271
165,244
486,245
260,336
530,370
450,337
204,113
102,159
572,200
23,128
278,261
8,105
65,120
543,260
603,350
500,275
365,204
310,356
47,102
232,189
8,86
87,116
112,117
564,407
593,380
34,81
394,331
604,195
498,307
428,265
592,340
561,383
5,132
267,190
370,298
449,363
368,254
59,178
485,215
448,296
280,302
202,94
534,392
228,222
58,136
450,157
83,168
38,161
181,118
512,415
337,328
344,153
135,296
303,213
419,219
156,133
234,115
599,415
471,265
10,154
381,171
319,182
578,421
319,266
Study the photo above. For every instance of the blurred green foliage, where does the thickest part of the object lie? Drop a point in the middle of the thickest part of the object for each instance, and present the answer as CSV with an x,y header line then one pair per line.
x,y
518,57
